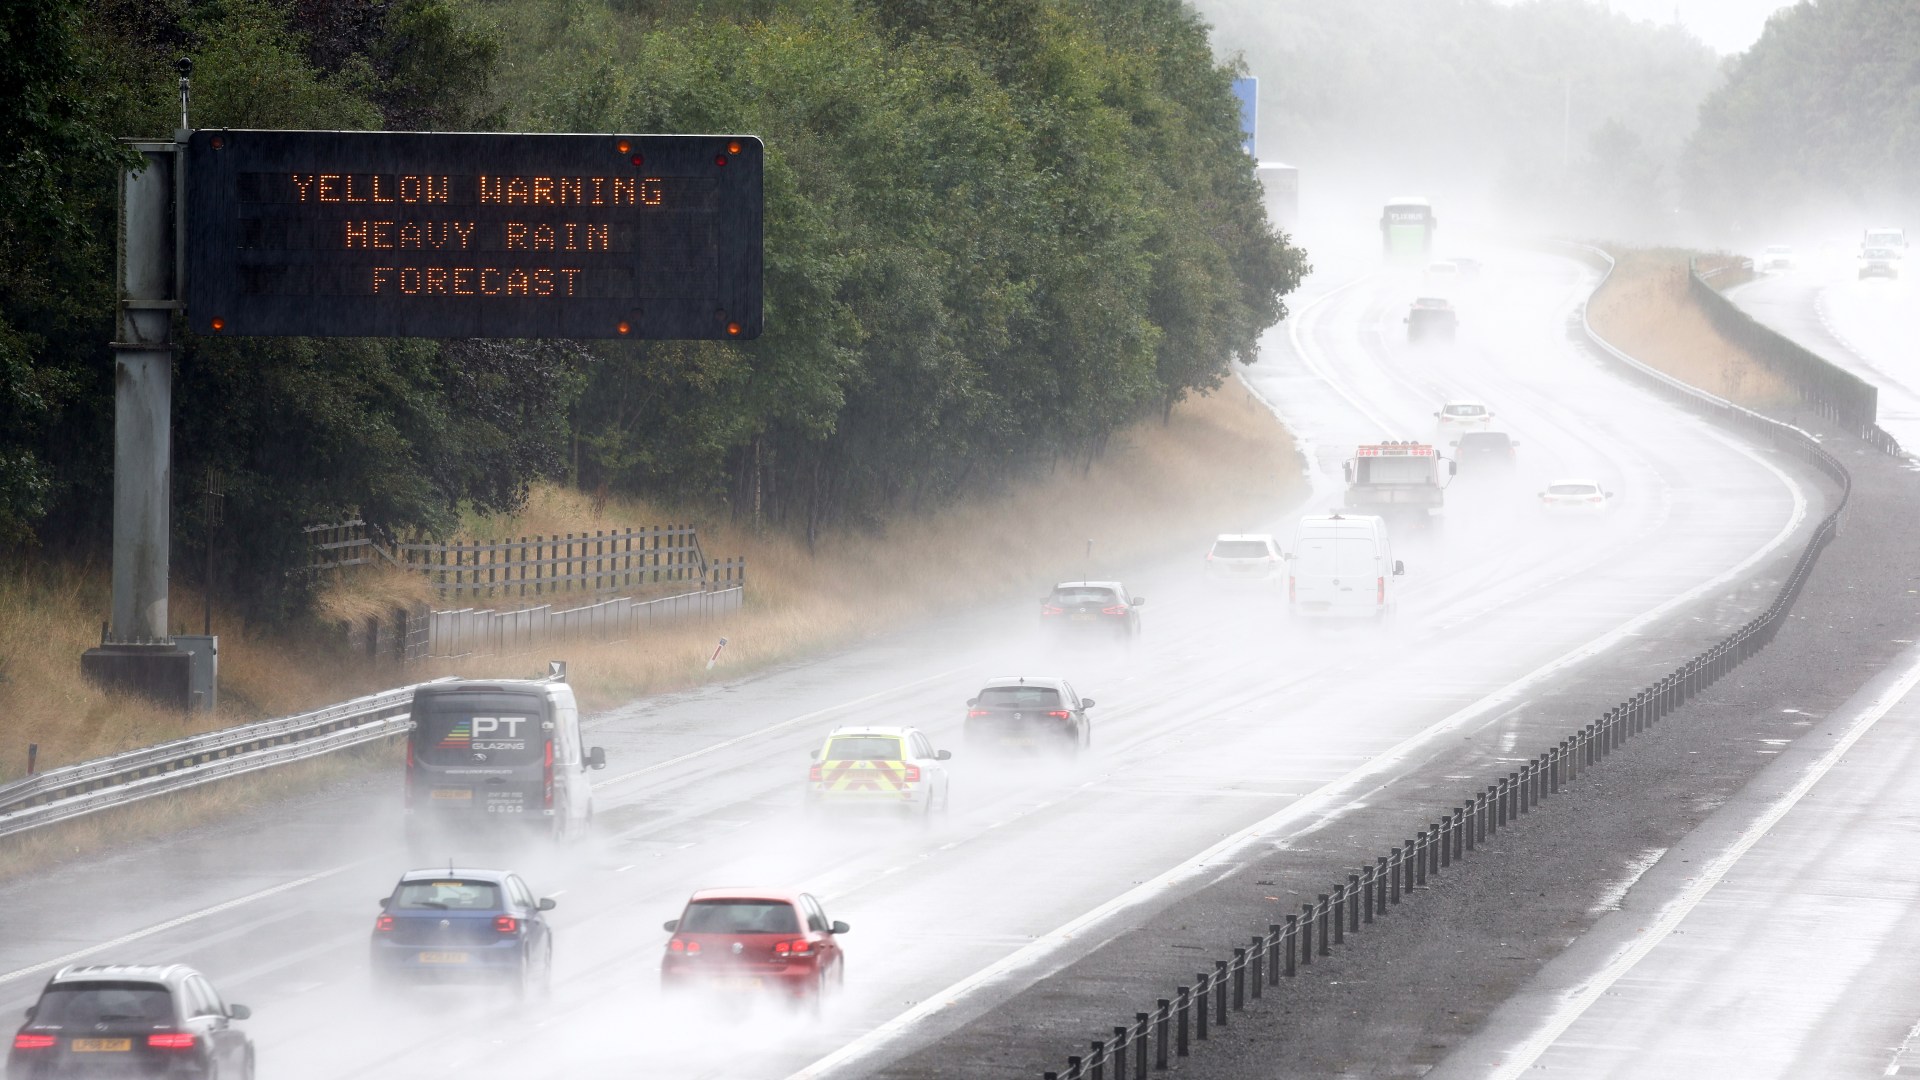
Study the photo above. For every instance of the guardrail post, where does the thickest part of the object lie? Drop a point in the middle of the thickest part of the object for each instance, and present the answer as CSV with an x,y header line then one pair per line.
x,y
1353,903
1273,954
1393,875
33,756
1120,1045
1099,1049
1339,914
1186,1007
1367,885
1418,848
1140,1046
1293,939
1459,833
1220,971
1162,1015
1202,993
1447,835
1306,935
1522,783
1073,1068
1258,956
1380,884
1326,947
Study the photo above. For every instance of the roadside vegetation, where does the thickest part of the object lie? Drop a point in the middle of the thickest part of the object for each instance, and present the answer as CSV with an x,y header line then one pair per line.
x,y
1646,310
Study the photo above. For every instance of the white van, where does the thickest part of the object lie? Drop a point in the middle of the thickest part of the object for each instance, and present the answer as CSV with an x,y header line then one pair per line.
x,y
1342,564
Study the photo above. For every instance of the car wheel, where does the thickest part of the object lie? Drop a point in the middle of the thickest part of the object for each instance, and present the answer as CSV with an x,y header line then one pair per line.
x,y
546,973
246,1070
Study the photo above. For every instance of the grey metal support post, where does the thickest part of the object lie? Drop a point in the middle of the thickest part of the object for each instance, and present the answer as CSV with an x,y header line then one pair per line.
x,y
1368,884
1326,946
1140,1045
1353,903
143,396
1306,937
1220,990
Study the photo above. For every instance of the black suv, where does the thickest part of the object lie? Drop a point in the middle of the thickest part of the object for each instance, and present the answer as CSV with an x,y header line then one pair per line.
x,y
124,1020
1479,450
1024,712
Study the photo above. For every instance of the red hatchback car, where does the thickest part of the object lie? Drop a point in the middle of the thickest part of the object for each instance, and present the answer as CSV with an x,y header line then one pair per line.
x,y
752,940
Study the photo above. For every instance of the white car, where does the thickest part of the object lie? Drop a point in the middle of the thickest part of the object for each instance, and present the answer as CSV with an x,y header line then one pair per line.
x,y
1576,495
1244,557
881,769
1777,257
1458,416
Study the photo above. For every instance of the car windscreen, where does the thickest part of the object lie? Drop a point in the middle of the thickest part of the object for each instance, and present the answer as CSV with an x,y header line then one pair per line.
x,y
1572,489
457,732
1465,410
864,748
79,1004
1240,549
1396,470
1083,595
739,917
447,894
1333,556
1020,697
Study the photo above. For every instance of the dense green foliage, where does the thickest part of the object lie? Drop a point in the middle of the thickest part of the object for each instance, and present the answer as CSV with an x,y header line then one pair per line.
x,y
996,232
1821,118
1554,112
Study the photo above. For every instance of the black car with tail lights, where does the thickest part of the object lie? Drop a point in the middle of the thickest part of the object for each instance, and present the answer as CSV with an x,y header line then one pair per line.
x,y
454,925
1022,712
122,1020
1091,609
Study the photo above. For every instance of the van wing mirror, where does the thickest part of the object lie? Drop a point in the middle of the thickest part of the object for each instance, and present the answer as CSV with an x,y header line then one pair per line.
x,y
597,758
1138,600
31,1009
546,904
943,755
239,1012
670,925
840,927
1086,703
1399,568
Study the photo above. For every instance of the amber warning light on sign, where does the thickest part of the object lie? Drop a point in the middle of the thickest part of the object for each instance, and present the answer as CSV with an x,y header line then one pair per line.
x,y
395,234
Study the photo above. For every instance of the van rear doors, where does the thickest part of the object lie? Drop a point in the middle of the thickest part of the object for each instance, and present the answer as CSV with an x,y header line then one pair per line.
x,y
480,757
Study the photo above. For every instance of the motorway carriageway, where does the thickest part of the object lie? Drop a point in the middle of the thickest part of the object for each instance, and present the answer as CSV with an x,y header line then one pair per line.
x,y
1866,327
1225,730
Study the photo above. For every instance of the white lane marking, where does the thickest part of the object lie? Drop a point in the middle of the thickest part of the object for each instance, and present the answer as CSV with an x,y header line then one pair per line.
x,y
1578,1001
771,728
158,928
1893,1067
1293,338
1067,934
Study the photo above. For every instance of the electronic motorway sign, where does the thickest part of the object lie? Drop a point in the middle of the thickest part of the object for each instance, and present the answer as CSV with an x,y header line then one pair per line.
x,y
410,234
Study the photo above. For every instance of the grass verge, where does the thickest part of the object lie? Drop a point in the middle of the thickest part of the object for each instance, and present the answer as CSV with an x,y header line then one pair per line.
x,y
1646,310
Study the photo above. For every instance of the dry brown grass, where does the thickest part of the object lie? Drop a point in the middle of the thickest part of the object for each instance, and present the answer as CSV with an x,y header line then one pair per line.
x,y
1645,310
51,613
1222,463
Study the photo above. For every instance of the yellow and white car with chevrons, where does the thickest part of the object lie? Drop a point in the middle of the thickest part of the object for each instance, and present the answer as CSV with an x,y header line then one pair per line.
x,y
891,770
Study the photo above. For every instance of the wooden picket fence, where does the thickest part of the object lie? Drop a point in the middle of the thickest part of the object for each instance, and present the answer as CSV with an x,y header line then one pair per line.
x,y
605,561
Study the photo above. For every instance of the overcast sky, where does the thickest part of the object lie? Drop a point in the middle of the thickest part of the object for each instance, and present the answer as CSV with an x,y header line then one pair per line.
x,y
1729,26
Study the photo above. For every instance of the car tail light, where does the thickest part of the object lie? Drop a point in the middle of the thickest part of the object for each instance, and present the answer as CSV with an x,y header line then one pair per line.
x,y
814,774
549,775
171,1040
971,713
1051,609
1061,714
28,1040
1209,556
1596,498
676,945
383,924
1114,609
506,924
913,774
797,947
693,948
1382,585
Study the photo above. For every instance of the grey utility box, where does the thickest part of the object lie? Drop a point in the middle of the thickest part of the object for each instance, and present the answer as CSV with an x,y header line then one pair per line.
x,y
203,672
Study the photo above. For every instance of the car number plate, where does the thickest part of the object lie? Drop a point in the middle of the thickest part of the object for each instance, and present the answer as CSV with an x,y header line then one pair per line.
x,y
95,1046
737,982
1081,618
443,958
452,793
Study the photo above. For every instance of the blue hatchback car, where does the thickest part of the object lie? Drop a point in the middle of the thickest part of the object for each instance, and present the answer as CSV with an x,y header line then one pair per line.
x,y
455,925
